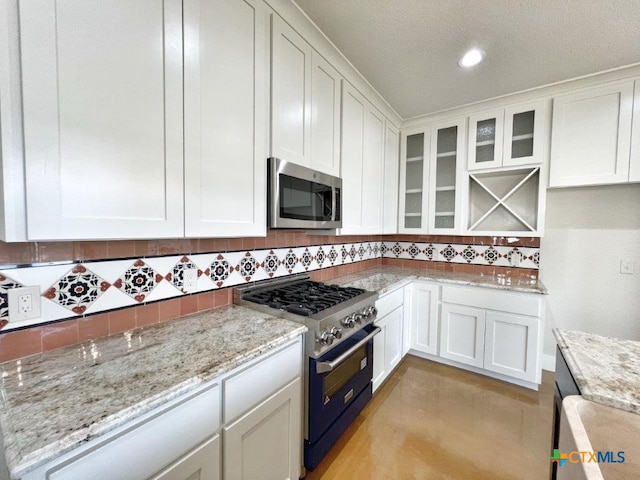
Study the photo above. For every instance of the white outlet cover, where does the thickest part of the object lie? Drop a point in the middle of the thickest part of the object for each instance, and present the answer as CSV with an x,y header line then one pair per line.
x,y
190,281
626,267
14,312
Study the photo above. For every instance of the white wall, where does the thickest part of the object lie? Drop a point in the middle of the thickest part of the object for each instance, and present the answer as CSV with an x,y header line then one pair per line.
x,y
588,232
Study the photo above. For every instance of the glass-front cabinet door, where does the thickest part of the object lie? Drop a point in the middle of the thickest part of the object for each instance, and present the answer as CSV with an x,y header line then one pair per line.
x,y
524,133
414,175
485,140
509,137
445,192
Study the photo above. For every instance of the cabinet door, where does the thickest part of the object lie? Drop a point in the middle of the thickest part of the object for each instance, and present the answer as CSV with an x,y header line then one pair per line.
x,y
291,94
390,178
379,362
591,136
511,345
372,169
266,442
325,116
445,182
486,132
393,340
414,179
424,317
634,167
201,464
102,91
407,328
525,133
354,110
462,334
225,117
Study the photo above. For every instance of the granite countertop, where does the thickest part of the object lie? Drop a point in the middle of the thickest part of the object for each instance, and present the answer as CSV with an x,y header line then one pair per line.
x,y
53,402
607,370
384,279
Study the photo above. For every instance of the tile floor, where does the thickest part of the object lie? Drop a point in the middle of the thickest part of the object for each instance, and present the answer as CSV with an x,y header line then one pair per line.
x,y
432,421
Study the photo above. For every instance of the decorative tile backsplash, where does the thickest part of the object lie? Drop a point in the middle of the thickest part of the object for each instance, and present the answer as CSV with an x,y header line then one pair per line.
x,y
499,256
79,289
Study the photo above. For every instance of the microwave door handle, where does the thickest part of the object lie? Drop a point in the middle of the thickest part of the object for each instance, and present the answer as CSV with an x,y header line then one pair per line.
x,y
333,204
323,367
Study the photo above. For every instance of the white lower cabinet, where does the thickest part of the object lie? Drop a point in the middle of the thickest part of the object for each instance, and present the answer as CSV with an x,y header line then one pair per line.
x,y
144,447
388,344
256,423
201,464
489,331
511,343
265,442
462,334
423,317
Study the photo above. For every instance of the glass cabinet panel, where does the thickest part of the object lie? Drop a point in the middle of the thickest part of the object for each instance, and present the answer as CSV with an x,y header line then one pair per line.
x,y
485,140
414,165
524,132
444,194
522,138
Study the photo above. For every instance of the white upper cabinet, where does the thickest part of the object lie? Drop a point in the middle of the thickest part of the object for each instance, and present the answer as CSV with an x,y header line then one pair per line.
x,y
110,87
634,167
432,178
414,178
446,179
508,137
226,117
290,94
325,116
591,136
102,92
486,131
363,150
390,179
305,103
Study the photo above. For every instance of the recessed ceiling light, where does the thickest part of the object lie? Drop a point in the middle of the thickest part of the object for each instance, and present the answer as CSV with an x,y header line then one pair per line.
x,y
471,58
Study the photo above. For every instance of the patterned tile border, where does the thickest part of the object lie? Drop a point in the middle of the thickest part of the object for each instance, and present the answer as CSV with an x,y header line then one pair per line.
x,y
499,256
72,290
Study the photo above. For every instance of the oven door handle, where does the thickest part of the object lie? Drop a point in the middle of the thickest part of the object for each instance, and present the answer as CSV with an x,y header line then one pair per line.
x,y
323,367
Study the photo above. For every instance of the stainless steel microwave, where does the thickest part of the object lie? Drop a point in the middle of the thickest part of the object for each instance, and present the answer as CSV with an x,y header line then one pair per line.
x,y
302,198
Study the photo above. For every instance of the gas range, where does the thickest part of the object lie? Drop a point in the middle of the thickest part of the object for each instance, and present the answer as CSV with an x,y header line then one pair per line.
x,y
331,313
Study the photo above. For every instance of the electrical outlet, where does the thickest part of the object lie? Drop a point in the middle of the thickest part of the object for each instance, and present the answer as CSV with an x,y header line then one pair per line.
x,y
24,303
626,267
190,279
515,259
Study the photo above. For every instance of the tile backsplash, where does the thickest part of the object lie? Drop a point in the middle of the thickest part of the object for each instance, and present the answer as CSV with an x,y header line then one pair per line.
x,y
146,284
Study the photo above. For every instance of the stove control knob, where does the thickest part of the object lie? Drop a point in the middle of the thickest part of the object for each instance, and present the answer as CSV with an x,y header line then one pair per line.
x,y
358,317
336,333
371,311
325,338
348,321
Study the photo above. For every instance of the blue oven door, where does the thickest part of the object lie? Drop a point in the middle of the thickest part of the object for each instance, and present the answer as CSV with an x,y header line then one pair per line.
x,y
339,388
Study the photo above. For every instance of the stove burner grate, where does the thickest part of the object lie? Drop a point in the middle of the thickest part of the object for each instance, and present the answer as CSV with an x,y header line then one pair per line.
x,y
303,298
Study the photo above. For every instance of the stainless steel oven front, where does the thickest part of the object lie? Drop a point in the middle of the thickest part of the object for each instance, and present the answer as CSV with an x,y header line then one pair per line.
x,y
338,388
302,198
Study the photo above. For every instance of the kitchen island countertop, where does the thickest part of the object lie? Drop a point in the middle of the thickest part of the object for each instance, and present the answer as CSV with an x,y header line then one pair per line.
x,y
384,279
55,401
607,370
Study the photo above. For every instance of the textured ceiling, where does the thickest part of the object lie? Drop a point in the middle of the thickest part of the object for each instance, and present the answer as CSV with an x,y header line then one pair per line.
x,y
408,49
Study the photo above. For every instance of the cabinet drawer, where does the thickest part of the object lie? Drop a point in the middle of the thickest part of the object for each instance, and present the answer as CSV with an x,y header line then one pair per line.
x,y
249,387
501,300
390,302
143,449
